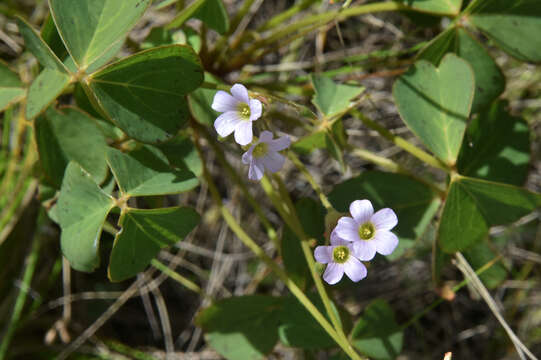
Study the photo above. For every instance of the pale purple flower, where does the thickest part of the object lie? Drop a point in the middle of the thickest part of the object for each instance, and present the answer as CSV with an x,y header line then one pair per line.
x,y
263,155
368,231
339,259
238,113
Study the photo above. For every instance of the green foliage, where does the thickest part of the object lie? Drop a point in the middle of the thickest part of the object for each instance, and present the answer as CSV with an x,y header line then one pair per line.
x,y
11,87
101,25
81,209
415,208
435,103
377,334
489,80
143,234
331,98
512,25
146,172
312,218
142,95
44,90
496,147
59,142
214,15
450,7
473,205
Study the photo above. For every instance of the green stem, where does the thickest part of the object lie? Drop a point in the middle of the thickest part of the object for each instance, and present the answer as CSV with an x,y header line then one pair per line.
x,y
31,262
402,143
283,204
282,275
187,283
271,232
298,163
279,19
185,14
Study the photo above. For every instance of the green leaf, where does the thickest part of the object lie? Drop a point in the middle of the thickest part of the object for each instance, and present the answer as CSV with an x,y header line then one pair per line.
x,y
489,80
214,15
473,205
11,87
309,143
331,98
44,90
81,209
242,327
182,154
479,255
414,208
68,135
35,44
100,26
435,103
512,25
445,7
299,329
496,147
312,217
142,94
200,103
50,35
146,172
143,234
377,334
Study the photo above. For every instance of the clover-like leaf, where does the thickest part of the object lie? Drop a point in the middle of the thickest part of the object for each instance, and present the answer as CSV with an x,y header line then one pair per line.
x,y
69,134
473,205
43,91
144,94
144,233
512,25
99,27
496,147
214,15
377,334
435,103
81,210
147,172
331,98
489,80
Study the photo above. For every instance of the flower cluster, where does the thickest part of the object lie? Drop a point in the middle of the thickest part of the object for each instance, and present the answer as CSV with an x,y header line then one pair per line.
x,y
355,239
239,111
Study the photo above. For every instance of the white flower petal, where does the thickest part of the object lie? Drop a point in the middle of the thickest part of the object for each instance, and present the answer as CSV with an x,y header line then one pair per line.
x,y
323,254
333,273
247,156
385,242
364,250
347,229
256,170
361,210
265,136
273,161
384,219
240,93
226,123
337,240
355,269
256,108
243,133
224,102
280,144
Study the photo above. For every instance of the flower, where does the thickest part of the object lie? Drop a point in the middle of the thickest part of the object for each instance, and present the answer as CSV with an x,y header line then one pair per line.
x,y
238,113
340,260
368,231
264,155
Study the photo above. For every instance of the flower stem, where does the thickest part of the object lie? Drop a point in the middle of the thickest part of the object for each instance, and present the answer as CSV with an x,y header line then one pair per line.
x,y
289,215
187,283
282,275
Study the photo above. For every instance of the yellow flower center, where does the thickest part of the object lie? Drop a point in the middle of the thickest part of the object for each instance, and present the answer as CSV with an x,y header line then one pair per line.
x,y
367,231
340,254
260,150
244,111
